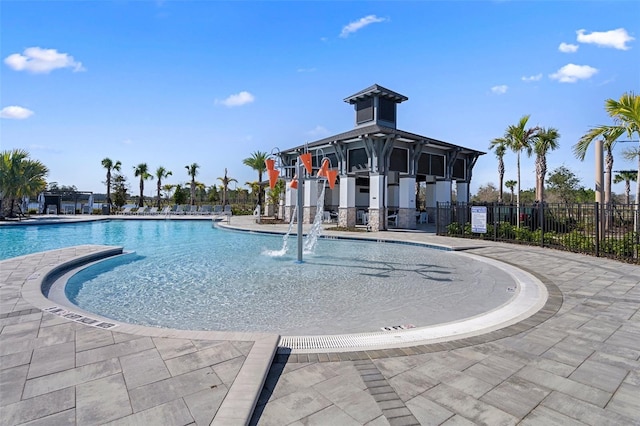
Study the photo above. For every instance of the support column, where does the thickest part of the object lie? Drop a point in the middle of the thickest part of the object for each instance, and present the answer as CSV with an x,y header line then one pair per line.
x,y
443,191
462,192
310,200
407,203
430,195
347,209
377,208
290,196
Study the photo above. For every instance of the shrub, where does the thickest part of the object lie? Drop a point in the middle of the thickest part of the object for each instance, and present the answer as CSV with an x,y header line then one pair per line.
x,y
576,241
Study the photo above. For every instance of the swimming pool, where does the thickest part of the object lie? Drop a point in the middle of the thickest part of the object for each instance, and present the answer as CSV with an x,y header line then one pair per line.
x,y
190,275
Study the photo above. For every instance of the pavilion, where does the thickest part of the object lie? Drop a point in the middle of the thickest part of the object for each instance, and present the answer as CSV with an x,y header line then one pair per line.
x,y
381,168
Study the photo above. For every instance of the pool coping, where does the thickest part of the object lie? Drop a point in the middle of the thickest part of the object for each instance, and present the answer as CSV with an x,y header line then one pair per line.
x,y
241,398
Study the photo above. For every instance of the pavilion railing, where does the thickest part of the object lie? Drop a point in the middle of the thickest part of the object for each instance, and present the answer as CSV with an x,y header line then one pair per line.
x,y
589,228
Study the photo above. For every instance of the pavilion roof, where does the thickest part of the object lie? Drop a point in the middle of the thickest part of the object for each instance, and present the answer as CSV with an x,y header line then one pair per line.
x,y
378,131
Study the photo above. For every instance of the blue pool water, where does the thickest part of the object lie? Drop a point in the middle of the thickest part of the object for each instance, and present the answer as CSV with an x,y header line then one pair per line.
x,y
190,275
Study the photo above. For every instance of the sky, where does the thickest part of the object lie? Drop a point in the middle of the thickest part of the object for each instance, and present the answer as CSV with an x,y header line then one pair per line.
x,y
171,83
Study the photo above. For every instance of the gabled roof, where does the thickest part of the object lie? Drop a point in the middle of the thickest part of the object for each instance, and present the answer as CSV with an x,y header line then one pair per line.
x,y
376,90
382,131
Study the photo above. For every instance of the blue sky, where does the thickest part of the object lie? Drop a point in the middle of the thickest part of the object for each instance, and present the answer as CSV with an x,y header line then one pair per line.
x,y
169,83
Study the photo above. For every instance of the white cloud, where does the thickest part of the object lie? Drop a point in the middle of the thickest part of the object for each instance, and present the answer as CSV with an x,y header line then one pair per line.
x,y
571,73
568,48
318,132
127,142
500,90
41,61
15,112
354,26
617,39
306,69
238,99
536,77
45,148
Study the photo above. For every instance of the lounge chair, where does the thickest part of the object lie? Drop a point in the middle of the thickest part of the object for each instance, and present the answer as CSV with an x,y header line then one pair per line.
x,y
129,209
152,211
217,210
205,210
424,217
193,209
182,208
142,210
166,210
227,210
392,219
52,209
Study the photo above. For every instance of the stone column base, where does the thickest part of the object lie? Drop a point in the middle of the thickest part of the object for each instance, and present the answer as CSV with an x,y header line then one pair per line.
x,y
407,218
376,220
288,213
347,217
309,214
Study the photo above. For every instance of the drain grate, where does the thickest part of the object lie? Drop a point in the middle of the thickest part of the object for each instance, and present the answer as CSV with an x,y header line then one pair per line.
x,y
74,316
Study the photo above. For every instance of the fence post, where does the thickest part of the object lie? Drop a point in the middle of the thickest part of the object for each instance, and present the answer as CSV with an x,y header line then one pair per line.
x,y
437,218
495,222
541,222
597,227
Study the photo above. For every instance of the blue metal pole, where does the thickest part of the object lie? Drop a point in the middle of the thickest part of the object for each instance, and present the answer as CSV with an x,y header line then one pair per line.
x,y
300,202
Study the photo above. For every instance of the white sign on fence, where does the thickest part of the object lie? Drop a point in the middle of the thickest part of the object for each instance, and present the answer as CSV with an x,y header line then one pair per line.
x,y
479,219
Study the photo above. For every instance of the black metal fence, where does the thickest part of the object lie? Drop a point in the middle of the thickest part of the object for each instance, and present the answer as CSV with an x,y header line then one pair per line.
x,y
582,228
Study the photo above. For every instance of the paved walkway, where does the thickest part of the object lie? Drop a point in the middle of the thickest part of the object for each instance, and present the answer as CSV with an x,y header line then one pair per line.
x,y
578,365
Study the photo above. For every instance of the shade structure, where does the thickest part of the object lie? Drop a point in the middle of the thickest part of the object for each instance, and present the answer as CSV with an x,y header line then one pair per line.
x,y
306,160
332,174
294,183
273,177
270,163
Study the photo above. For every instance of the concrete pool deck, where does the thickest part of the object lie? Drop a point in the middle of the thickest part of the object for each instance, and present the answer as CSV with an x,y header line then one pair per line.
x,y
578,363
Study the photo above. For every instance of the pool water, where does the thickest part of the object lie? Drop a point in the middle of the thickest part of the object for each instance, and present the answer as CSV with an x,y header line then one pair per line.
x,y
190,275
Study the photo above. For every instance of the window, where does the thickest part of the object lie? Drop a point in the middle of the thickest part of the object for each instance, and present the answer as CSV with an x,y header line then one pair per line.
x,y
386,110
437,165
357,159
459,167
364,111
424,164
399,161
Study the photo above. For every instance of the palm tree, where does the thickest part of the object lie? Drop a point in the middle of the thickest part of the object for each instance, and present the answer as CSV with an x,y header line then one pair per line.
x,y
142,170
520,138
256,162
511,184
626,116
544,141
499,145
255,188
609,134
161,173
168,188
192,170
626,176
20,177
225,185
108,164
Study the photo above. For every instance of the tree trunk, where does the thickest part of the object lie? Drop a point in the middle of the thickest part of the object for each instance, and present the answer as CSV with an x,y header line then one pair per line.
x,y
607,188
141,201
501,178
518,195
